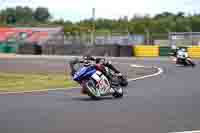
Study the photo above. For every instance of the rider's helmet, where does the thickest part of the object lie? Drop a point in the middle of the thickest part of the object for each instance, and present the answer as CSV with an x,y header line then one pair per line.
x,y
183,49
87,59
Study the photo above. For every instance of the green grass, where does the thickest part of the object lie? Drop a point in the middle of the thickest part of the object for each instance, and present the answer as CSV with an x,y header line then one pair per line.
x,y
12,82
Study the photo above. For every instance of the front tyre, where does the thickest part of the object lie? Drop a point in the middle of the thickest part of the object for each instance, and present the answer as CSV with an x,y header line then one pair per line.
x,y
92,91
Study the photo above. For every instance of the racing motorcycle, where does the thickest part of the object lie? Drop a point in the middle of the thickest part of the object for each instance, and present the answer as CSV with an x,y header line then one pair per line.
x,y
185,62
95,84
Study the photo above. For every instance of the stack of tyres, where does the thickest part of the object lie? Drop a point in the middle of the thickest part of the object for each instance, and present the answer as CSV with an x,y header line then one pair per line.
x,y
7,48
2,48
11,47
194,51
12,50
146,50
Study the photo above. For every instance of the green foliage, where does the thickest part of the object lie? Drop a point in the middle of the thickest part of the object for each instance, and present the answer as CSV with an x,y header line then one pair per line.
x,y
15,82
24,15
161,23
11,19
42,14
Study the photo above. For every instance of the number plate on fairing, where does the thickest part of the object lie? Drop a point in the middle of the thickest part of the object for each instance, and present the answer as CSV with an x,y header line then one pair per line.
x,y
96,77
104,85
102,82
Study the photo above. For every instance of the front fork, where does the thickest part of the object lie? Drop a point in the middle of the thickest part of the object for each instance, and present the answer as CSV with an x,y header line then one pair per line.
x,y
83,87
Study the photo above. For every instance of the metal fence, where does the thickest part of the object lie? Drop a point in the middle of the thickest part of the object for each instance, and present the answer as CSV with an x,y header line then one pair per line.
x,y
120,40
58,43
184,38
125,40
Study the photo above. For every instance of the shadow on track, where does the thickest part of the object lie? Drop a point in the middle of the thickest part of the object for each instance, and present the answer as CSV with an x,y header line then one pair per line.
x,y
88,99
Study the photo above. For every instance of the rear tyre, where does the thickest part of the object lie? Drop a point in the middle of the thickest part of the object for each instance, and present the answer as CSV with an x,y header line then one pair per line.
x,y
118,93
193,65
123,81
190,63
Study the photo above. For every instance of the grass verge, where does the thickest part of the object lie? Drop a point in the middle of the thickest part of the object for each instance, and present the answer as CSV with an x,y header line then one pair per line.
x,y
14,82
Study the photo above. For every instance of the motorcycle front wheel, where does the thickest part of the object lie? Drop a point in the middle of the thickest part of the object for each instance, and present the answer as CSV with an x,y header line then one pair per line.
x,y
92,90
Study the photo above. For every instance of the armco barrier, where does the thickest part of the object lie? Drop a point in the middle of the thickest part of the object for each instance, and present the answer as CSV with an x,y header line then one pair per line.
x,y
194,51
146,51
78,49
125,51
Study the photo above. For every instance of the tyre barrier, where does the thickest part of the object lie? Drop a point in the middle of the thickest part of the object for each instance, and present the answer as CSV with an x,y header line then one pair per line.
x,y
7,48
194,51
153,51
146,50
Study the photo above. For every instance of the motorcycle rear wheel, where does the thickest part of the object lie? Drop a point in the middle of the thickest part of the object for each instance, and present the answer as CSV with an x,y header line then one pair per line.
x,y
123,81
118,93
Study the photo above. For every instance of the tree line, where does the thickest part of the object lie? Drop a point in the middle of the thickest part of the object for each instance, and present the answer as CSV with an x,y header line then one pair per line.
x,y
24,15
140,24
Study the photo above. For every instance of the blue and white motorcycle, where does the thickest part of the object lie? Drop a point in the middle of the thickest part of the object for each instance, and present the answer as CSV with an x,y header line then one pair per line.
x,y
95,84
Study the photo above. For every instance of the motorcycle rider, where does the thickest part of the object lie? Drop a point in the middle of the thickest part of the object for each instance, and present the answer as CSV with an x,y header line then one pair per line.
x,y
182,55
100,63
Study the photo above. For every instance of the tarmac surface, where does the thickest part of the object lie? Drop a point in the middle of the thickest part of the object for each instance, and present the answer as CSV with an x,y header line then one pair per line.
x,y
161,104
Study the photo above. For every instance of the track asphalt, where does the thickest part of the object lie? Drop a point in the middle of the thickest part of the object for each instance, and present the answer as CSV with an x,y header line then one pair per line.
x,y
161,104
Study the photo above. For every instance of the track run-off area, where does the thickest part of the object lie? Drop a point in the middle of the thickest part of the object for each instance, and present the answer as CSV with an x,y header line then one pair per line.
x,y
164,103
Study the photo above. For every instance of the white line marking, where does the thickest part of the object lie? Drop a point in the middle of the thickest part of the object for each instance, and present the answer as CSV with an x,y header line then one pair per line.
x,y
137,66
160,71
42,90
187,132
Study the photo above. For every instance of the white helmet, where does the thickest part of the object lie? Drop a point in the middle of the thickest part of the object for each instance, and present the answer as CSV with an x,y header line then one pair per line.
x,y
183,50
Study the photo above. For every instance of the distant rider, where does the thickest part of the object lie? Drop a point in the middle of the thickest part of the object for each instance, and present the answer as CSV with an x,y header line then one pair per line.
x,y
182,53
